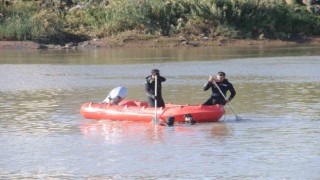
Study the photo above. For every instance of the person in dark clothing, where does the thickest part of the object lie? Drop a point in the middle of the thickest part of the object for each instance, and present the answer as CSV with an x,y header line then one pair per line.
x,y
224,85
149,87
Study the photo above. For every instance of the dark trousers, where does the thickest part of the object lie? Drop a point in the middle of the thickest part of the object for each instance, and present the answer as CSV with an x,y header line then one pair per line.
x,y
160,102
215,100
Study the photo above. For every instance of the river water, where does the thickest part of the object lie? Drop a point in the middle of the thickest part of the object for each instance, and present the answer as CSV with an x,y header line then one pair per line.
x,y
43,136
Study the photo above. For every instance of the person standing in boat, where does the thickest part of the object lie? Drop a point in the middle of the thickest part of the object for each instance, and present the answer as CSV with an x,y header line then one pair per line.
x,y
149,87
223,84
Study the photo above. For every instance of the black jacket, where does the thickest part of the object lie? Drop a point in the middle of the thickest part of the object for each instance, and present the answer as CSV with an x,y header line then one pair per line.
x,y
149,86
224,86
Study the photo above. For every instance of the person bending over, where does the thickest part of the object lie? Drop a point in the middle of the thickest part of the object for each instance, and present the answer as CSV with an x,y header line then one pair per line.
x,y
224,85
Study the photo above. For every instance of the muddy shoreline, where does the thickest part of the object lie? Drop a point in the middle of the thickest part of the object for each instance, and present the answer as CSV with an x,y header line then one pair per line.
x,y
133,42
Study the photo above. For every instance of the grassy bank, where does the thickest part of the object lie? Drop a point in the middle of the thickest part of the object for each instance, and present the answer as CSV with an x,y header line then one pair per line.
x,y
82,20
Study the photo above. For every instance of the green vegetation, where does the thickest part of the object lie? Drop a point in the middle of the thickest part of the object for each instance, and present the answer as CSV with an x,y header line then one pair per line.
x,y
66,21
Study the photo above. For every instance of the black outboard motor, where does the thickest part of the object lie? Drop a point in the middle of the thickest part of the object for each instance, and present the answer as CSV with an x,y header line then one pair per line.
x,y
188,119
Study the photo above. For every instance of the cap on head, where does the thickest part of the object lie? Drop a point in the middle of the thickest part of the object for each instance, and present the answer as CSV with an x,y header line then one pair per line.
x,y
155,71
220,73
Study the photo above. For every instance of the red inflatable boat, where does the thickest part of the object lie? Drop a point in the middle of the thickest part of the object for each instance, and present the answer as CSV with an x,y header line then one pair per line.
x,y
139,111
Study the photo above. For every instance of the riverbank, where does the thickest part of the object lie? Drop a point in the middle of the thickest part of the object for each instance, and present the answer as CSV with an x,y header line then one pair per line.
x,y
154,23
135,42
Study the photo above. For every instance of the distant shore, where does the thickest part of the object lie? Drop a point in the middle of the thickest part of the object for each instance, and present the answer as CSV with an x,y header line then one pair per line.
x,y
154,43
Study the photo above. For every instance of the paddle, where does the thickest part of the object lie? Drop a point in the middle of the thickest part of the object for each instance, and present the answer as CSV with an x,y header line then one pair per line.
x,y
155,119
225,98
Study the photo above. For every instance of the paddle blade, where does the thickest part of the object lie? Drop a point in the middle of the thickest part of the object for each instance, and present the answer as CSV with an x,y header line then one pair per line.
x,y
238,118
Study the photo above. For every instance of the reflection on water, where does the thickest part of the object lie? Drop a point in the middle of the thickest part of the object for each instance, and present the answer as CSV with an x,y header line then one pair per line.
x,y
37,112
297,101
124,132
152,55
43,136
117,132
